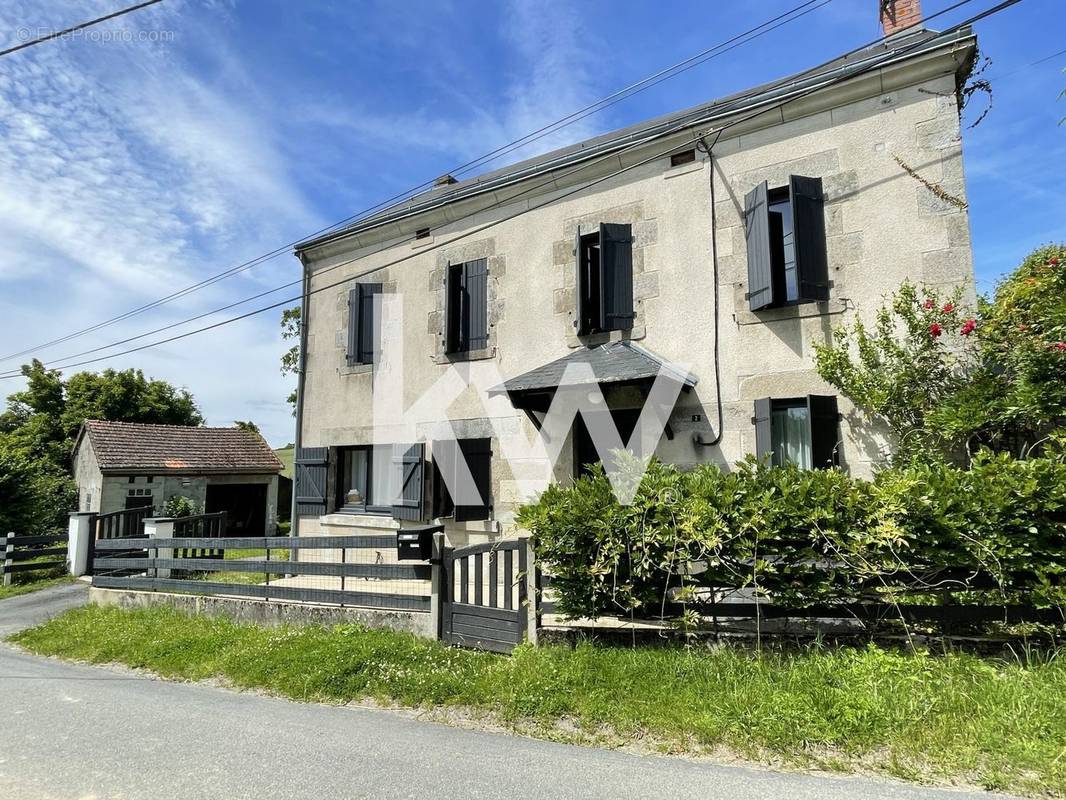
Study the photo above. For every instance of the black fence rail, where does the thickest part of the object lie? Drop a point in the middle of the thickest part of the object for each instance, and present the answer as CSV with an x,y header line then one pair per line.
x,y
25,554
273,572
201,526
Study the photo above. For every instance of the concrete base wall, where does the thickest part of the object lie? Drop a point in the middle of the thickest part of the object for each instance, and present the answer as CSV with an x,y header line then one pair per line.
x,y
272,613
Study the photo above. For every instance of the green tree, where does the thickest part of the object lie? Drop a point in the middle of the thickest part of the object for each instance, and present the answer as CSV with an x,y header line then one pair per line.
x,y
247,425
290,359
35,496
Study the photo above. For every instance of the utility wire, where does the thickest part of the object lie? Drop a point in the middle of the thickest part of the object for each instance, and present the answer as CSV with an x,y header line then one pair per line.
x,y
684,125
593,108
66,31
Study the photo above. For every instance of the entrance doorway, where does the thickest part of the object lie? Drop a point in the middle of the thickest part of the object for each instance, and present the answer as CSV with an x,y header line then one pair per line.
x,y
585,455
244,504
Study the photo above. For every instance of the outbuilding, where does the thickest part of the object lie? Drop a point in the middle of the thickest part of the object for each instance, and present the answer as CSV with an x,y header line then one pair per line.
x,y
121,465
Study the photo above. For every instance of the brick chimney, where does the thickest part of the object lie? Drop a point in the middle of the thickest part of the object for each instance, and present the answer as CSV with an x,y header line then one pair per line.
x,y
899,14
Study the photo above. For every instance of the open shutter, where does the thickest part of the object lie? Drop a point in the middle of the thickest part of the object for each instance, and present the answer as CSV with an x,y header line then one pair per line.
x,y
311,466
824,420
478,455
763,432
445,454
616,265
476,284
808,226
453,310
408,462
354,310
368,323
579,285
757,235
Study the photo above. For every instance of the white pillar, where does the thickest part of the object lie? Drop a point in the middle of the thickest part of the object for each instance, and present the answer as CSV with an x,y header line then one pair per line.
x,y
79,542
159,528
9,548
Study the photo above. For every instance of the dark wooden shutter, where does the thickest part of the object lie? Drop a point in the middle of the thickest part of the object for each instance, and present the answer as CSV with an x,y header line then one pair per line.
x,y
408,462
453,310
579,285
808,227
478,455
824,419
757,235
476,286
354,309
763,428
616,270
311,465
368,323
445,454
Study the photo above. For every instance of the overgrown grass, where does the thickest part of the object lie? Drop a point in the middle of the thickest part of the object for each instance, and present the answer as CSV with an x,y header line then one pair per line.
x,y
956,717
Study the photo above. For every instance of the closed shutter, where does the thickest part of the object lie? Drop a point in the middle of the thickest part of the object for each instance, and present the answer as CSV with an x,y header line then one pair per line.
x,y
408,462
453,310
311,465
763,430
369,346
824,419
478,455
476,285
354,310
808,226
616,266
757,235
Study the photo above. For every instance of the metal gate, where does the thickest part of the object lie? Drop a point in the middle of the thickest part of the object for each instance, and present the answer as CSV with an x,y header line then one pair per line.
x,y
485,595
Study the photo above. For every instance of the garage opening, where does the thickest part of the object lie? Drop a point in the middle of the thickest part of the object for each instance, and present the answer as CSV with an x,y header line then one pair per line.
x,y
244,504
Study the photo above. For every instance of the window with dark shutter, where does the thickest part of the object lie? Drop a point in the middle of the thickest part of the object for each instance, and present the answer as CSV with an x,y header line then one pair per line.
x,y
408,464
363,329
604,265
785,237
763,446
466,324
478,456
803,431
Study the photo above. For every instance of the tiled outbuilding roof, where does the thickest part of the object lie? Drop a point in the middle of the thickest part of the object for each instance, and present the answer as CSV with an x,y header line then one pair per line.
x,y
179,449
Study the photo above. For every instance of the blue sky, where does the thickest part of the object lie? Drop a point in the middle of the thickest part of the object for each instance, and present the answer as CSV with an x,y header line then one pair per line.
x,y
189,137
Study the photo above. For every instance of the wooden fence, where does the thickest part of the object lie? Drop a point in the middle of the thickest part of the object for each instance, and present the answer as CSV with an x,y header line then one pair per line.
x,y
22,554
158,564
201,526
121,524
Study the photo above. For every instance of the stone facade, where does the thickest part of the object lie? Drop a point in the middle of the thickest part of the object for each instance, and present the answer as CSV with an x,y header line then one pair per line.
x,y
882,227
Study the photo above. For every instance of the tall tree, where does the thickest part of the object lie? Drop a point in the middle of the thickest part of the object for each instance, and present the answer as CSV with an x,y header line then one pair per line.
x,y
290,359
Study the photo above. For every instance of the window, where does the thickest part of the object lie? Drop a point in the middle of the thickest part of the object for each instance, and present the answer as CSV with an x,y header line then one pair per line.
x,y
684,157
363,479
132,479
785,233
422,233
150,479
803,431
604,260
363,324
466,326
478,456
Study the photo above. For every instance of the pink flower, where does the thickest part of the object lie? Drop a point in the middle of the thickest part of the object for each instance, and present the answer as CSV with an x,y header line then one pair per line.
x,y
949,307
1060,346
935,330
968,327
1053,261
1023,327
928,304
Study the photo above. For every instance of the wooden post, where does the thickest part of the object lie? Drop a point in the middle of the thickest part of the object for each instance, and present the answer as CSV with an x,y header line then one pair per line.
x,y
530,581
436,583
9,549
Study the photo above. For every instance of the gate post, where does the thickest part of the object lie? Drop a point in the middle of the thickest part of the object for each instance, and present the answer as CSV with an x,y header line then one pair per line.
x,y
159,528
530,580
436,584
5,566
81,536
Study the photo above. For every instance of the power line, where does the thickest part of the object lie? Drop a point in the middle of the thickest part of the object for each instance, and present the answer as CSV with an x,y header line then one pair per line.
x,y
689,63
67,31
684,125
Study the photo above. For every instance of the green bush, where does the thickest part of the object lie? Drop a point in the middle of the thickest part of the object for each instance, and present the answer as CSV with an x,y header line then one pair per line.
x,y
801,537
179,506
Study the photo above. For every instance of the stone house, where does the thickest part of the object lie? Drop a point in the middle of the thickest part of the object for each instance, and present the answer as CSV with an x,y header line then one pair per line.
x,y
121,465
730,238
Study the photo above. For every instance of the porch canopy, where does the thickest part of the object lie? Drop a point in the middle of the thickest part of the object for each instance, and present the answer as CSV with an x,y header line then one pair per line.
x,y
613,365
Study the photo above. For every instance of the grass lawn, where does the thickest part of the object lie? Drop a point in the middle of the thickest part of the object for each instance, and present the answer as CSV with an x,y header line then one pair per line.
x,y
997,724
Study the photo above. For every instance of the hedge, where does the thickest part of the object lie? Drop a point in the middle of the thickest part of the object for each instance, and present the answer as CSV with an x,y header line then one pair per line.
x,y
992,533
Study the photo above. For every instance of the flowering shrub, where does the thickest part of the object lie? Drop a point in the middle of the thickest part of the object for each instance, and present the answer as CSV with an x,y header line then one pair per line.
x,y
802,537
948,380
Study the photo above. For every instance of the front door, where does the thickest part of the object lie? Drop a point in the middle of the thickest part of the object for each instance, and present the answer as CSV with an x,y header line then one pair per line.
x,y
585,455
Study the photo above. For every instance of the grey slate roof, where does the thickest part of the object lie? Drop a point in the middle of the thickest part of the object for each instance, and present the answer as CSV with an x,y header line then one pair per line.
x,y
615,362
896,48
177,449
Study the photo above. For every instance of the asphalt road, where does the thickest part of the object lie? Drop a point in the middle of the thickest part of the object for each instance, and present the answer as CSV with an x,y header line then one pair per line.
x,y
72,731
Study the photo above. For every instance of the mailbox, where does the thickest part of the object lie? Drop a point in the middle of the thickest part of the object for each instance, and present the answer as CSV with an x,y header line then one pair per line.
x,y
416,544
